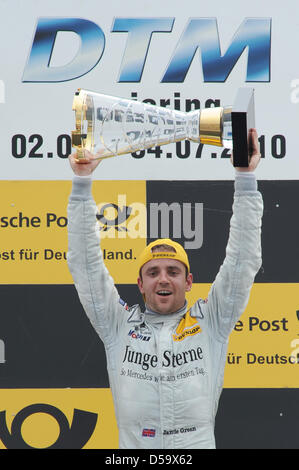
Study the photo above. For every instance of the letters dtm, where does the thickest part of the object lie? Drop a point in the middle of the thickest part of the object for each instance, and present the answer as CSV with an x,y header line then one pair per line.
x,y
253,34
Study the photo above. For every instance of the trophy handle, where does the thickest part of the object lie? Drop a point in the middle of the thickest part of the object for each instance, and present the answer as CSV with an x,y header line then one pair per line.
x,y
243,119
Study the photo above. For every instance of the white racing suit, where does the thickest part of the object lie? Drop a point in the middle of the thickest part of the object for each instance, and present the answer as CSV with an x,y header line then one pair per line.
x,y
166,371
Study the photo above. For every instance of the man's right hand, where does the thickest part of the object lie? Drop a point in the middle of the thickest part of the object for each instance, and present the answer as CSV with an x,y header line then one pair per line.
x,y
84,166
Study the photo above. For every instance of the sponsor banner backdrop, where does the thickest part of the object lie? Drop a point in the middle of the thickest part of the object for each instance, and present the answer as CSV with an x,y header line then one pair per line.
x,y
57,419
33,227
209,51
33,232
263,349
47,340
53,377
69,416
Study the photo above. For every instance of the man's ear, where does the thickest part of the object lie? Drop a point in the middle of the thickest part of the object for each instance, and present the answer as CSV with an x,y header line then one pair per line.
x,y
189,281
140,285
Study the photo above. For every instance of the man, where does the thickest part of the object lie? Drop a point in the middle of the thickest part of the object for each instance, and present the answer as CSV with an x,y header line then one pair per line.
x,y
166,364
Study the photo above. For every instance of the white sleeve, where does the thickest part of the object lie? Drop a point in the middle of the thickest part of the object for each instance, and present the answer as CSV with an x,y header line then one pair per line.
x,y
93,282
230,291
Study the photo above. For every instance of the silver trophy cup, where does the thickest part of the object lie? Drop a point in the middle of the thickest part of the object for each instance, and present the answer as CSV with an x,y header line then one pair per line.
x,y
108,126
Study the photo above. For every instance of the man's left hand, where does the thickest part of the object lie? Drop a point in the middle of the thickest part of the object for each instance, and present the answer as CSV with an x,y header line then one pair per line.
x,y
255,157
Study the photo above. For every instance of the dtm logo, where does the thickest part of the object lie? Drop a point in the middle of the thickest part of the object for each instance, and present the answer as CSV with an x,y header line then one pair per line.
x,y
253,34
70,437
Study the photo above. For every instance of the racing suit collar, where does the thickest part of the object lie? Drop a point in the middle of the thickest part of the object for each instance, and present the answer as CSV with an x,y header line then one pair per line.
x,y
153,317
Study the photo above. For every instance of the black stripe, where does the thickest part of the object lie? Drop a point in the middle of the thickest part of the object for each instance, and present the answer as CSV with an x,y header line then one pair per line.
x,y
48,339
258,419
280,233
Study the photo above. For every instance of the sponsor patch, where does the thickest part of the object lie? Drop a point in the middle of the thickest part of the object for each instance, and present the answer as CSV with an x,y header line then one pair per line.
x,y
188,326
123,303
165,254
188,332
140,336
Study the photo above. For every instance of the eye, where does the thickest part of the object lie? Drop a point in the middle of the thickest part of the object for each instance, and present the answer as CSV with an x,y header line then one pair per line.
x,y
173,272
152,273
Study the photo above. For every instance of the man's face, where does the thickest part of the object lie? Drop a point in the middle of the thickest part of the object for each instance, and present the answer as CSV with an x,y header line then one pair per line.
x,y
164,284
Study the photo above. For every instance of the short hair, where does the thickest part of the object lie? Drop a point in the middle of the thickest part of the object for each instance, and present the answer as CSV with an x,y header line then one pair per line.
x,y
163,247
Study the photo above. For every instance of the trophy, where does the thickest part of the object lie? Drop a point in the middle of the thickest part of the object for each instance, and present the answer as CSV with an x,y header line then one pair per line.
x,y
108,126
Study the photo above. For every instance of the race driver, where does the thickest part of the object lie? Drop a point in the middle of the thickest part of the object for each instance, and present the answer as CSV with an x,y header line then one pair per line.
x,y
165,364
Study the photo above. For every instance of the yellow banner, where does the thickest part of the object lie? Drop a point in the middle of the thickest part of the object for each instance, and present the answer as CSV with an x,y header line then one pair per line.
x,y
263,348
33,230
57,418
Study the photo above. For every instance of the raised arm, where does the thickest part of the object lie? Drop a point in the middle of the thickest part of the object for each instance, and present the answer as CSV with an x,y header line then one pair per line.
x,y
230,292
93,282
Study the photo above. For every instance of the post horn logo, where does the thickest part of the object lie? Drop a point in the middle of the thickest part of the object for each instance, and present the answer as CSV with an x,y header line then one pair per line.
x,y
70,437
121,215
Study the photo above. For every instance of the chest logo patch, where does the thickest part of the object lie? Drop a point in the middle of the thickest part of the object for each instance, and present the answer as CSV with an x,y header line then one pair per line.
x,y
188,326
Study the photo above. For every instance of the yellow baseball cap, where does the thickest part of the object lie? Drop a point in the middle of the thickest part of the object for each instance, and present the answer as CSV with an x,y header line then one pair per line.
x,y
179,253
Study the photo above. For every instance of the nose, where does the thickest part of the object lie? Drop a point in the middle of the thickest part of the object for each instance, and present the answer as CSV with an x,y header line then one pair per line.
x,y
163,277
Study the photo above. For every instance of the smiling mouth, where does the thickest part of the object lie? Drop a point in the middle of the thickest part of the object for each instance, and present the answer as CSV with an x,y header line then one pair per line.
x,y
164,293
